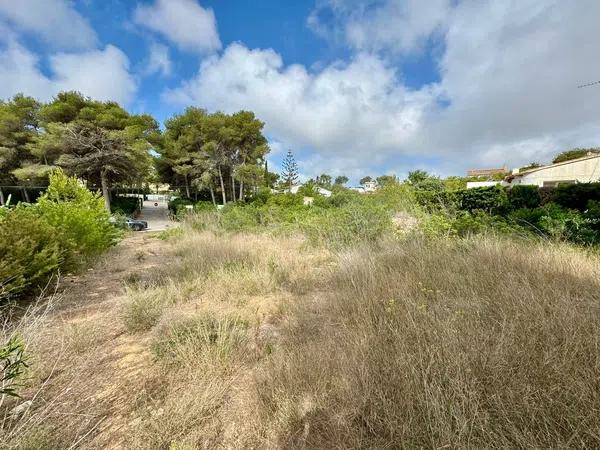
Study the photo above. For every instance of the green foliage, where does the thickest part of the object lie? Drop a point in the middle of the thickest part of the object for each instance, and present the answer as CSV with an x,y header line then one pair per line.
x,y
493,200
523,196
78,216
576,196
364,180
67,223
341,180
30,252
387,180
355,222
127,206
574,154
12,365
289,173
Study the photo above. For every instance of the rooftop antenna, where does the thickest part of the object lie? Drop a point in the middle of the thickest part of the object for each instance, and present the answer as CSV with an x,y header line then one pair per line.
x,y
588,84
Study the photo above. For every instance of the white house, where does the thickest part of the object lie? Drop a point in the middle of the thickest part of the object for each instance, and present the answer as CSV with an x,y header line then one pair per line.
x,y
580,170
367,186
324,192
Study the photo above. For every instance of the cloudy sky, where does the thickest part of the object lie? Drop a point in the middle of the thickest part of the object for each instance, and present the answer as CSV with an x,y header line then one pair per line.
x,y
353,87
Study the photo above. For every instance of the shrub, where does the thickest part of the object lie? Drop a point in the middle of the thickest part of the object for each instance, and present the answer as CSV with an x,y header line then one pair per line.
x,y
239,217
67,223
523,196
143,309
30,252
12,366
493,200
78,216
576,196
128,206
355,222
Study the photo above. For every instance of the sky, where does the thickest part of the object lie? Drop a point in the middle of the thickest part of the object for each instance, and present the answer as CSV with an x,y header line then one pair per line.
x,y
352,87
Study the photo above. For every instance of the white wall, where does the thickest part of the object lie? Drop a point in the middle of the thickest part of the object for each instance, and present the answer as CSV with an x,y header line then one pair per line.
x,y
584,171
478,184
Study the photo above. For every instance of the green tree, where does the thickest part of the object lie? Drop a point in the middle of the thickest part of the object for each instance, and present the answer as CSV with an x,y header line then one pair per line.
x,y
18,128
341,180
324,180
364,180
213,152
289,173
574,154
386,180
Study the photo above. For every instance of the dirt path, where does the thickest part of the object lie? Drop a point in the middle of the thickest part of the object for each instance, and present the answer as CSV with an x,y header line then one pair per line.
x,y
92,368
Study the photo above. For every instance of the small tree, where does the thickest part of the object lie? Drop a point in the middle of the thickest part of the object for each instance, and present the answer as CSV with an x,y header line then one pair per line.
x,y
364,180
341,180
289,174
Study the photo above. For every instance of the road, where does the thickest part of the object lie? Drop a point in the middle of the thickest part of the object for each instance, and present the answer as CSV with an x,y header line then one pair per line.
x,y
156,216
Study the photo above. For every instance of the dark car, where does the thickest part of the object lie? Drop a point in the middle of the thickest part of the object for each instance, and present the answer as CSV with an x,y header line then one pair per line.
x,y
137,225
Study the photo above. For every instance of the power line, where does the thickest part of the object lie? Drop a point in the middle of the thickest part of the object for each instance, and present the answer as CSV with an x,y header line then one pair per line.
x,y
589,84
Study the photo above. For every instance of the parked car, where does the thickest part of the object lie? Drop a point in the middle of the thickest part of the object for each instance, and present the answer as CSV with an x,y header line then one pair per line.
x,y
137,225
128,222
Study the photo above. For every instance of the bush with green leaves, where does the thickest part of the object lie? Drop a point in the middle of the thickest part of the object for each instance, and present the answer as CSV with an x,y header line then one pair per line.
x,y
355,222
78,216
524,196
30,251
12,365
128,206
576,196
66,225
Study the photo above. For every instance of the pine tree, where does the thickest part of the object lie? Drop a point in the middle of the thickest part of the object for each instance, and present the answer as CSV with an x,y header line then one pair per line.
x,y
289,174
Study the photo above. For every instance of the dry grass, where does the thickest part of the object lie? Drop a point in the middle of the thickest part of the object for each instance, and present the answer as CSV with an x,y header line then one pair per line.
x,y
251,341
451,344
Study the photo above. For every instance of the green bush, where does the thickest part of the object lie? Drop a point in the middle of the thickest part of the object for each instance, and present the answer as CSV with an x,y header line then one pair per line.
x,y
30,251
177,206
127,206
576,196
66,224
352,223
523,196
239,217
493,200
78,216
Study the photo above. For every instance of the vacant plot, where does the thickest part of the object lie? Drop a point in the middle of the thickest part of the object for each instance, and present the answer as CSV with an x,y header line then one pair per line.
x,y
212,340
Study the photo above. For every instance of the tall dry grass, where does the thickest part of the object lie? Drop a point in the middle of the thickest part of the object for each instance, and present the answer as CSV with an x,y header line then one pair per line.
x,y
480,343
253,341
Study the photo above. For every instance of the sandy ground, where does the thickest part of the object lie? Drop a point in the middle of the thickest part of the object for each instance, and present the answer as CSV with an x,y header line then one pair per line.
x,y
99,367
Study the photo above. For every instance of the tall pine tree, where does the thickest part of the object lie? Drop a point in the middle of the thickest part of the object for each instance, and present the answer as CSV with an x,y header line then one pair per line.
x,y
289,174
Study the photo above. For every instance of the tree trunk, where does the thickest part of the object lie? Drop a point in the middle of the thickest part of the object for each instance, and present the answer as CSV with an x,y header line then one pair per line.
x,y
212,195
25,195
241,190
187,187
105,190
232,187
222,187
2,202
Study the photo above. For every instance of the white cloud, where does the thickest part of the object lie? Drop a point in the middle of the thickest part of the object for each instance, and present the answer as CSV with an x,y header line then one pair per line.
x,y
158,60
401,26
55,21
507,94
345,109
101,74
183,22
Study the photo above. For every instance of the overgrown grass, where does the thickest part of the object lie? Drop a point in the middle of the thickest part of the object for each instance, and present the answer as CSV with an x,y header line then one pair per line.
x,y
354,337
446,344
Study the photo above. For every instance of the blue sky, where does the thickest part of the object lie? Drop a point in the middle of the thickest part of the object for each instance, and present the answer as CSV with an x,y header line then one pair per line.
x,y
355,87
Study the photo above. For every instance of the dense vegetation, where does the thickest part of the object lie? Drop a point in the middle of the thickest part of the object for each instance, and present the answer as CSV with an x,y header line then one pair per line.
x,y
64,227
421,315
